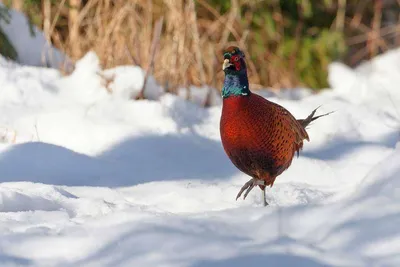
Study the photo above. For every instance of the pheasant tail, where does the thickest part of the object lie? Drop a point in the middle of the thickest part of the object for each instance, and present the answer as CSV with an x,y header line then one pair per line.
x,y
305,122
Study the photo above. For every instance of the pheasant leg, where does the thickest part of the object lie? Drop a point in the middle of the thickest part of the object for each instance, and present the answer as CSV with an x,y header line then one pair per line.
x,y
249,186
265,203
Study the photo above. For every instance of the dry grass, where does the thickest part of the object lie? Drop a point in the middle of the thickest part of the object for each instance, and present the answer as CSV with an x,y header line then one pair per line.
x,y
190,45
121,32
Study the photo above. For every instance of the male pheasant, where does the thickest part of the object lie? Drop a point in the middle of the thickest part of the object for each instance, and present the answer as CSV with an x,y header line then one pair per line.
x,y
259,136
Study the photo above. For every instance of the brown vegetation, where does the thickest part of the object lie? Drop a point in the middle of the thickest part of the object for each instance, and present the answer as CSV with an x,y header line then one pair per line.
x,y
280,52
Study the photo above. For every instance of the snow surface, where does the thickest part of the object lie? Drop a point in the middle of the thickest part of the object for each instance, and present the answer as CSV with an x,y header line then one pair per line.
x,y
92,178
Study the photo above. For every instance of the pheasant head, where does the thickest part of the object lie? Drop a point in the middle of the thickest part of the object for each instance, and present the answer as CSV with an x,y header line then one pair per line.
x,y
234,66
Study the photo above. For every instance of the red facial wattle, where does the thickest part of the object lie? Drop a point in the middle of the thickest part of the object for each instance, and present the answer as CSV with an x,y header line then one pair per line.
x,y
236,61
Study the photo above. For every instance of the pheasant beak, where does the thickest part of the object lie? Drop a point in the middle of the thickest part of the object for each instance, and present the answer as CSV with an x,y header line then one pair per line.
x,y
226,64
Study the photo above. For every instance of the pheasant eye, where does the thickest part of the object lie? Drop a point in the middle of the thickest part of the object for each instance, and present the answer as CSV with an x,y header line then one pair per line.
x,y
235,58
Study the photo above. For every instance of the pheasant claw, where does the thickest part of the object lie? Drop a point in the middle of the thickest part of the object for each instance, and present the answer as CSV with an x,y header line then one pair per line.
x,y
249,186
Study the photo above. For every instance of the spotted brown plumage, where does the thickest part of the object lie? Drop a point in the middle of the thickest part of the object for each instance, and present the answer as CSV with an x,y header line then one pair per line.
x,y
260,137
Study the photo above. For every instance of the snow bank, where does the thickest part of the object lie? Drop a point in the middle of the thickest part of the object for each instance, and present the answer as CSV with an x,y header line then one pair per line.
x,y
32,47
89,177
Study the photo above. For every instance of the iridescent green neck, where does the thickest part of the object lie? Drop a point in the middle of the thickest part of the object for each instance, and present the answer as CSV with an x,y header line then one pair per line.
x,y
235,84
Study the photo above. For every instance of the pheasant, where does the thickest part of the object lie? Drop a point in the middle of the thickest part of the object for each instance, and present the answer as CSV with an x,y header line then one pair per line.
x,y
260,137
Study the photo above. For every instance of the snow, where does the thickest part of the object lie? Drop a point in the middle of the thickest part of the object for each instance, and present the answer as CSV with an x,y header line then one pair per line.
x,y
89,177
30,43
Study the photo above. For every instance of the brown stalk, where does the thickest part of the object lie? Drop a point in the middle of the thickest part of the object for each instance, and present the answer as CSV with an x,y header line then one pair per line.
x,y
341,15
17,4
376,24
196,41
73,25
154,47
231,19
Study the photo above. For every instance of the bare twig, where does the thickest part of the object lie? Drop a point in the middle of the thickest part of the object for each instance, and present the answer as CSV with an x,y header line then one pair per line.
x,y
129,54
46,13
196,42
37,132
341,15
376,25
73,26
154,47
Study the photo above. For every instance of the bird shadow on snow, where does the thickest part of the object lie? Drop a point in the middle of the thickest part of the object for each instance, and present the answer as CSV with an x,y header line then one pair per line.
x,y
133,161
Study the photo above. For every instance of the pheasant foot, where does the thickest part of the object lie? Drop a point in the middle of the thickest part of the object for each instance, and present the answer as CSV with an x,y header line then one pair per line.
x,y
249,186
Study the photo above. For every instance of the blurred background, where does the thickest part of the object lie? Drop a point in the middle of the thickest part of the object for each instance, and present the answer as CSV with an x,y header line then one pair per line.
x,y
288,43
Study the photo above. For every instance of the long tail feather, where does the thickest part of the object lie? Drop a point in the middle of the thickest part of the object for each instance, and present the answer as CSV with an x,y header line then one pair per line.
x,y
305,122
